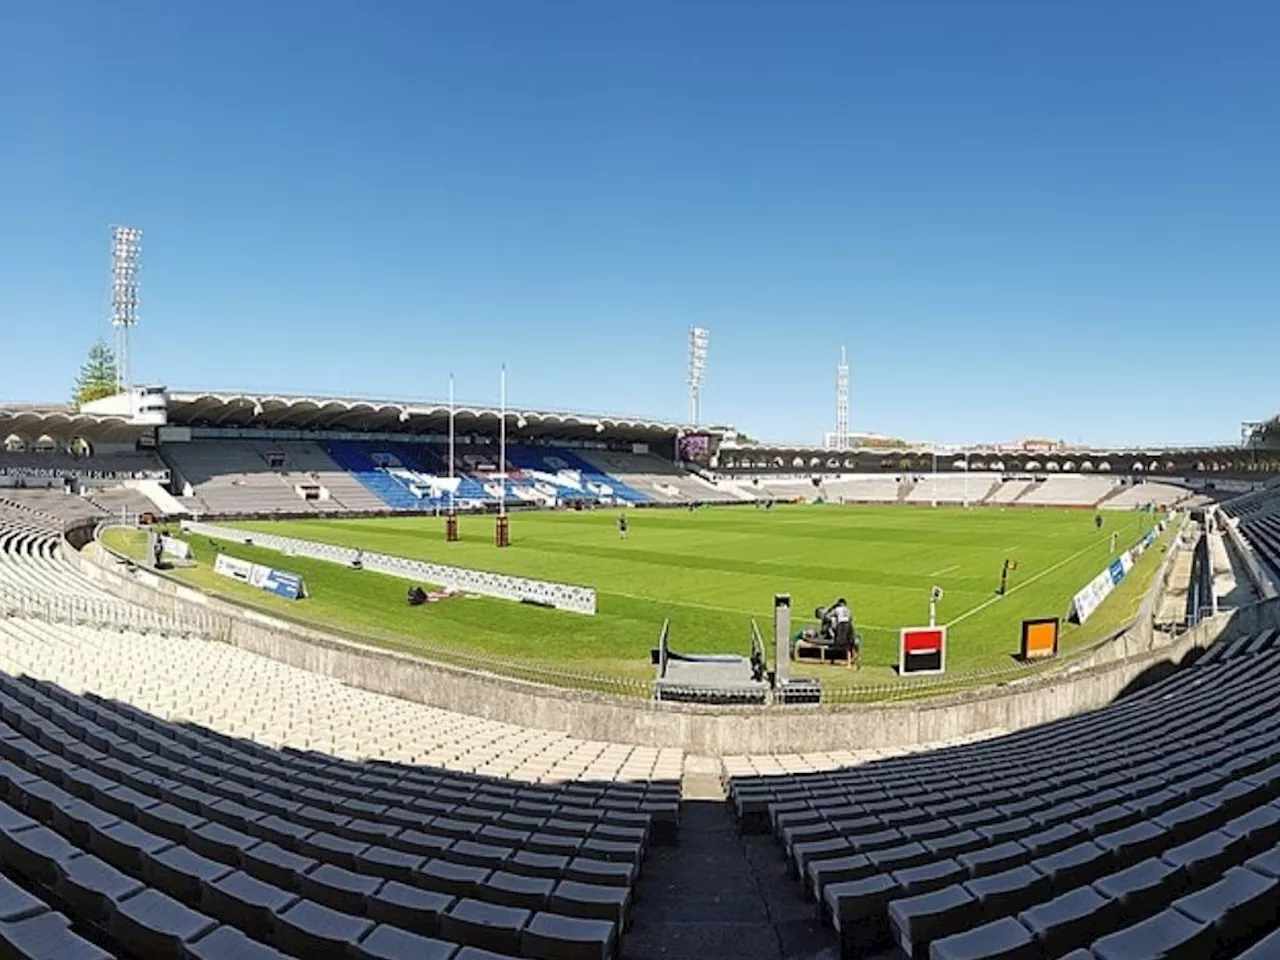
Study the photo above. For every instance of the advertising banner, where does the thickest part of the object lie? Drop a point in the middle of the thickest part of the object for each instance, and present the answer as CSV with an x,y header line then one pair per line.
x,y
175,548
1099,588
922,650
281,583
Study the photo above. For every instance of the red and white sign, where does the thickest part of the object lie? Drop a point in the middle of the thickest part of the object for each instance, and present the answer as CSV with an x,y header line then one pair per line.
x,y
922,650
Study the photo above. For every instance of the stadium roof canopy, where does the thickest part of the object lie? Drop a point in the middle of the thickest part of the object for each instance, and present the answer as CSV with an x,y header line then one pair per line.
x,y
63,423
234,409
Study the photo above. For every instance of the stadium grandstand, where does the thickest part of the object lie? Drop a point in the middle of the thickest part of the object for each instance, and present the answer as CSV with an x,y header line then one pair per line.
x,y
233,454
168,787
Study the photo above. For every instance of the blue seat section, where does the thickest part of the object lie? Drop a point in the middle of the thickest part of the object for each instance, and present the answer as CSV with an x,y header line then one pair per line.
x,y
545,461
357,459
555,459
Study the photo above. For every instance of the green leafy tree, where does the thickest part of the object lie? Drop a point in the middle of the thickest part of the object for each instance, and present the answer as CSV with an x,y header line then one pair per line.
x,y
97,377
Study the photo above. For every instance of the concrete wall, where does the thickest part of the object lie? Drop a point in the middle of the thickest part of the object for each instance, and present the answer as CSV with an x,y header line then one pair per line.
x,y
709,731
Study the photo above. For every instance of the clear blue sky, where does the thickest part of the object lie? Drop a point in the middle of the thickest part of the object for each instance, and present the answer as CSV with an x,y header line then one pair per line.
x,y
1055,218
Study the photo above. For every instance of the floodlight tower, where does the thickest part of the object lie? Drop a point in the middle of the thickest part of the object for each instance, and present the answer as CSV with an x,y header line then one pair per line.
x,y
126,250
842,403
698,338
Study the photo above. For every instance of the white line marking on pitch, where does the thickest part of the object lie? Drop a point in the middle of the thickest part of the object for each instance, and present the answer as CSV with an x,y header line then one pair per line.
x,y
938,573
711,606
1026,583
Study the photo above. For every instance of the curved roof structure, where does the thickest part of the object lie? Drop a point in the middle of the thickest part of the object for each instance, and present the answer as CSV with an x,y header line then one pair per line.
x,y
62,423
291,412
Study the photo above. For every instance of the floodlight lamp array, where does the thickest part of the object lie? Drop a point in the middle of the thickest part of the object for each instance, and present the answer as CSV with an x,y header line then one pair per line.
x,y
126,251
699,337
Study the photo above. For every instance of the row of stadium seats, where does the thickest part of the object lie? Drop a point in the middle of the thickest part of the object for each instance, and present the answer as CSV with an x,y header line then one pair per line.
x,y
1259,524
166,796
1149,828
243,476
979,488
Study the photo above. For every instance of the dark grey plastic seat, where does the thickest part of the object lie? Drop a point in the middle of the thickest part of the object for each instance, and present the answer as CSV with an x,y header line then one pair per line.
x,y
1168,935
246,902
37,853
858,910
389,863
455,879
1010,891
338,888
79,820
314,931
1074,866
274,865
151,924
606,873
218,842
180,873
166,820
591,901
1188,820
1259,829
552,937
1267,948
16,904
1240,906
1144,888
1003,939
514,890
1207,856
90,886
994,859
390,943
277,829
1133,844
228,943
929,876
1266,863
47,936
486,925
919,920
408,907
852,866
1070,921
532,864
123,845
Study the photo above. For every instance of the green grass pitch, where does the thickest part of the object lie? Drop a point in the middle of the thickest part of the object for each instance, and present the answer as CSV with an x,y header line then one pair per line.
x,y
710,572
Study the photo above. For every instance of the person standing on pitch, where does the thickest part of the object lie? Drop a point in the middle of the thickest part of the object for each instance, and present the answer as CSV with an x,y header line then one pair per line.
x,y
622,526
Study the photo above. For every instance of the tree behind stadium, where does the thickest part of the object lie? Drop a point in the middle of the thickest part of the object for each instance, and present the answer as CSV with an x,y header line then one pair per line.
x,y
97,377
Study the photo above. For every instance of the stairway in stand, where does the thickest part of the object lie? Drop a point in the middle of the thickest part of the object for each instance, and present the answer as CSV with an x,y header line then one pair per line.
x,y
720,894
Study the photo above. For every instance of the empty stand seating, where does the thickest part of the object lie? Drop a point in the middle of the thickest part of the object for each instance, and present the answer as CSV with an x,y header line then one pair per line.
x,y
1258,515
1149,828
167,796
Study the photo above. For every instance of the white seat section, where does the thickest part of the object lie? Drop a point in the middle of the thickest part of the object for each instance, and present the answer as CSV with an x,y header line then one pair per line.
x,y
1069,491
1140,494
651,475
870,487
224,688
186,678
951,487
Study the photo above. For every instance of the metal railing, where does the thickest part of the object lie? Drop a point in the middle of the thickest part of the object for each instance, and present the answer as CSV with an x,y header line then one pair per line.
x,y
835,689
55,607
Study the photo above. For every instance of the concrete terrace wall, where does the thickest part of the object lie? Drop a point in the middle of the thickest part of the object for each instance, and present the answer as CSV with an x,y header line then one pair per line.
x,y
708,731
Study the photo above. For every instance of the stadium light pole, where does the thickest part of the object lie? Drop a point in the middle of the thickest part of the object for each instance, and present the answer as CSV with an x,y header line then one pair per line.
x,y
698,340
126,251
